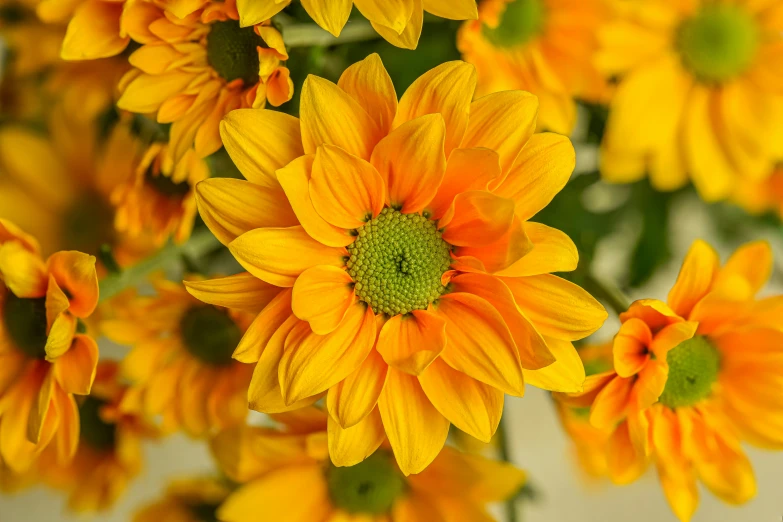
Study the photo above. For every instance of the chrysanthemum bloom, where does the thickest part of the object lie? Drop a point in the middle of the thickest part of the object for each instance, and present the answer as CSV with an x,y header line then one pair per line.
x,y
110,452
285,475
695,377
399,21
700,93
407,279
192,71
160,199
187,500
541,46
760,196
45,357
180,366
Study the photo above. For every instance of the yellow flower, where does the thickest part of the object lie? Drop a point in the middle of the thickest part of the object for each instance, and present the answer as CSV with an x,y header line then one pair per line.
x,y
541,46
759,196
285,475
186,500
700,93
181,366
45,358
192,71
395,259
93,27
109,454
398,21
695,377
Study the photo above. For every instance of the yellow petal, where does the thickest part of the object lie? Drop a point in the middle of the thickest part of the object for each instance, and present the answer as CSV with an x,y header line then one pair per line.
x,y
22,271
230,207
698,271
412,163
566,374
350,446
479,343
75,273
263,328
500,254
370,85
329,115
313,363
553,251
252,12
411,342
322,296
94,32
146,92
472,406
452,10
75,369
352,399
239,292
752,263
279,255
415,429
477,218
345,190
624,462
466,169
394,14
246,133
60,336
409,37
41,406
332,15
446,90
539,173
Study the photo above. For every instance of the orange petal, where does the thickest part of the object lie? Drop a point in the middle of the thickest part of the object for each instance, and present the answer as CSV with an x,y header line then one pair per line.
x,y
352,399
610,404
75,274
239,292
624,463
322,296
94,32
350,446
466,169
75,369
631,347
500,254
370,85
695,279
650,384
656,314
263,328
411,342
477,218
671,336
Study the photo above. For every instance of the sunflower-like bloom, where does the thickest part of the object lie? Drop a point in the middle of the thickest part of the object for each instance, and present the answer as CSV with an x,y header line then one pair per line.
x,y
695,377
180,366
407,279
45,358
186,500
541,46
700,93
109,455
398,21
192,71
274,466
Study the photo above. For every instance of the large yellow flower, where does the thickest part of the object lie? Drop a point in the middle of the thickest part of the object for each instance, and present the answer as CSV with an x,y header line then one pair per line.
x,y
109,454
408,281
45,357
181,366
186,500
700,93
192,71
285,475
541,46
693,378
398,21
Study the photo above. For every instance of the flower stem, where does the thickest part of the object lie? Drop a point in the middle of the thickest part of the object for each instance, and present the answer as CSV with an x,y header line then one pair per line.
x,y
505,453
307,35
200,243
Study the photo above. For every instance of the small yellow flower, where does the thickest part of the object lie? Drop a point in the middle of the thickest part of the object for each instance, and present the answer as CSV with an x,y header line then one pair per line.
x,y
541,46
180,366
693,378
700,94
398,21
285,475
45,356
109,454
192,71
186,500
390,245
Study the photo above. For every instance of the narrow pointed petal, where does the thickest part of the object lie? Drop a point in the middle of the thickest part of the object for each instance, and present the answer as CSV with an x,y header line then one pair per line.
x,y
75,369
264,327
698,271
409,37
350,446
370,85
553,251
239,292
411,342
352,399
332,15
566,374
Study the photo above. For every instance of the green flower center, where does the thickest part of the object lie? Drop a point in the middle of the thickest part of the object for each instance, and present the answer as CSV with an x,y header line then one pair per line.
x,y
370,487
521,22
25,322
210,334
719,42
204,512
166,186
96,433
693,369
231,51
397,261
88,224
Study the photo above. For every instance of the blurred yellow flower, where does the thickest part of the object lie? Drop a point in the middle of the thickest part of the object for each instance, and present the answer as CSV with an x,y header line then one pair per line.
x,y
398,21
759,196
109,454
192,71
180,366
408,282
46,357
693,378
275,466
541,46
186,500
700,94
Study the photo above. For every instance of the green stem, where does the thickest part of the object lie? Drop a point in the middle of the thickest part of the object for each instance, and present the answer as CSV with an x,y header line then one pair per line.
x,y
200,243
307,35
607,293
505,454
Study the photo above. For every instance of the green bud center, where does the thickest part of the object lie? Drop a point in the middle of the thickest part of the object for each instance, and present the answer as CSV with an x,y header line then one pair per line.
x,y
88,224
231,51
210,334
25,322
96,433
521,22
397,261
693,369
719,42
166,186
370,487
